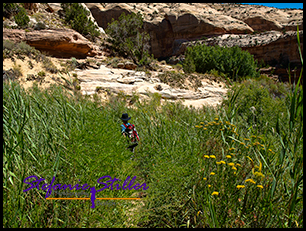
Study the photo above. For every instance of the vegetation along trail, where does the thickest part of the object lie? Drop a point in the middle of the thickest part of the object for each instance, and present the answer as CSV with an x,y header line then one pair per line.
x,y
238,164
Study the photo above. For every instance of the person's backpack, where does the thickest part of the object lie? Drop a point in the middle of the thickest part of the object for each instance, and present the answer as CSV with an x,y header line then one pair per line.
x,y
131,132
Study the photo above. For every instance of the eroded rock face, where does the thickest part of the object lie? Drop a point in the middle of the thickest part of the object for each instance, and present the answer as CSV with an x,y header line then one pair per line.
x,y
62,43
165,24
273,47
263,18
170,24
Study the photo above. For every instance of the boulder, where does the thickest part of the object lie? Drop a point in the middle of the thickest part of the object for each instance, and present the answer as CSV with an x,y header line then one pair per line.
x,y
40,26
261,23
121,65
61,43
130,66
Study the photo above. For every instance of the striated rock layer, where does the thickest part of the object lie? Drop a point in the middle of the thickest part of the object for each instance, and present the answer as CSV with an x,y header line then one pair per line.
x,y
63,43
170,24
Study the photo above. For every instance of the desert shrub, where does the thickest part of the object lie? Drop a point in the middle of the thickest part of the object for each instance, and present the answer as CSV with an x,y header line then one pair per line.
x,y
129,39
232,61
17,70
20,49
10,9
259,102
21,18
174,79
19,13
77,17
189,65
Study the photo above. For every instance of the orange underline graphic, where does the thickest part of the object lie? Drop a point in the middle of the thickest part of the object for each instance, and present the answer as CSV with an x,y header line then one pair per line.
x,y
85,198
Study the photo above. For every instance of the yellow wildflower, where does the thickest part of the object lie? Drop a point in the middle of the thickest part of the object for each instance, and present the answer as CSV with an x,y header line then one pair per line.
x,y
215,193
240,186
231,164
206,156
205,128
234,168
209,186
270,149
222,162
212,173
259,186
250,180
212,156
242,143
260,166
218,162
228,156
246,139
202,123
238,165
216,118
250,160
204,178
259,174
197,126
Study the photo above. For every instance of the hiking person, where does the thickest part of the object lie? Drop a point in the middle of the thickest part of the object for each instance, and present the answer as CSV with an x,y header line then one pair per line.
x,y
129,131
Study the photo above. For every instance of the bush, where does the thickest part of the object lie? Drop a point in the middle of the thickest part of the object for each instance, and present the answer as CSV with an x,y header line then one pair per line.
x,y
129,39
259,102
19,13
232,61
77,17
10,9
20,49
21,18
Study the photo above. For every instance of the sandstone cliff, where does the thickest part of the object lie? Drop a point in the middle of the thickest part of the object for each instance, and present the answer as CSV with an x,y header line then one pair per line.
x,y
265,32
63,43
170,24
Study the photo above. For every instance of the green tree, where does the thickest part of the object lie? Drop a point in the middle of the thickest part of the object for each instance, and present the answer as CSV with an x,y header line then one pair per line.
x,y
20,15
77,16
232,61
10,9
21,18
129,39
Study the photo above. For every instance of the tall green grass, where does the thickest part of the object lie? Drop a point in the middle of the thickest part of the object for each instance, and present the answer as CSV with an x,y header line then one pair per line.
x,y
51,133
231,166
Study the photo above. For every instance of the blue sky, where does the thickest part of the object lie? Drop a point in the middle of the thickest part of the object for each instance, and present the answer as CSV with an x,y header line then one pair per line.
x,y
280,5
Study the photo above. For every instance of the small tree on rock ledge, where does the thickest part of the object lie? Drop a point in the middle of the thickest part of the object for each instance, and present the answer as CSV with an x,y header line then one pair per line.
x,y
129,39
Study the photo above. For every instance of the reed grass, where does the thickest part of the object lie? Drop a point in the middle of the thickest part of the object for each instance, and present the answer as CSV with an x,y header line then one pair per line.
x,y
212,167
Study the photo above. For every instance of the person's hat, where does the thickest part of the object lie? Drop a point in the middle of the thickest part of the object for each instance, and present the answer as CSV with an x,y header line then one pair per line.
x,y
125,117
